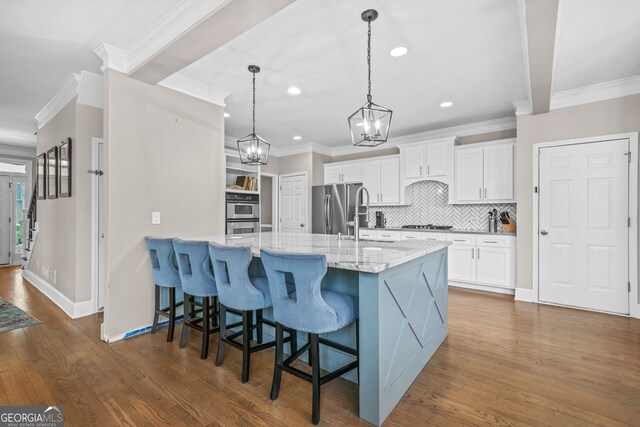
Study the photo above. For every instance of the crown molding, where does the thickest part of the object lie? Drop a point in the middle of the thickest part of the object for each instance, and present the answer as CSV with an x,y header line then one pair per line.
x,y
63,96
86,86
17,140
478,128
522,106
598,92
174,23
195,88
305,147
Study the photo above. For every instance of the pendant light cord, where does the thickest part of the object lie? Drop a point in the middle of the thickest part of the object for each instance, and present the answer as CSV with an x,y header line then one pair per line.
x,y
254,103
369,59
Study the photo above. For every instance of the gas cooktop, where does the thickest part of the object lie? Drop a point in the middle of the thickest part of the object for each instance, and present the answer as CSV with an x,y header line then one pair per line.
x,y
429,227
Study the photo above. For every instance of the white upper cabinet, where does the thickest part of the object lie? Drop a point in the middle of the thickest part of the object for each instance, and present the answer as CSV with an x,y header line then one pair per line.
x,y
332,174
339,173
498,172
437,158
414,162
390,181
484,172
381,177
426,160
469,170
371,180
352,172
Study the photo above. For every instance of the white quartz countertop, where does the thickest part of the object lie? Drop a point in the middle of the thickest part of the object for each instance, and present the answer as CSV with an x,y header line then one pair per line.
x,y
365,256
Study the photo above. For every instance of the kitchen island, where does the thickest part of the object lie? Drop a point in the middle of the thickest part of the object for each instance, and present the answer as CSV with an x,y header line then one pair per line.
x,y
402,292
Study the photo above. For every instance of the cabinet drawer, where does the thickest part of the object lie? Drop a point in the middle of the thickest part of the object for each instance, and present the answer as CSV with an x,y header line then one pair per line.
x,y
388,235
412,235
494,241
434,236
462,239
368,234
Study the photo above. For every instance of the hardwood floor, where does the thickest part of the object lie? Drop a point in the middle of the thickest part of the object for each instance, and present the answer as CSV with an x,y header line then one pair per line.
x,y
503,363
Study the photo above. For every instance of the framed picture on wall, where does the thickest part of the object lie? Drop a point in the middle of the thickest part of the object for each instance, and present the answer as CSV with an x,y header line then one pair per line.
x,y
64,169
41,177
52,173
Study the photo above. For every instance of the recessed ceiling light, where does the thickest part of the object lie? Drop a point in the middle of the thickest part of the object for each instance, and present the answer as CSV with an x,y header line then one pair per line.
x,y
297,137
446,104
227,115
293,91
398,51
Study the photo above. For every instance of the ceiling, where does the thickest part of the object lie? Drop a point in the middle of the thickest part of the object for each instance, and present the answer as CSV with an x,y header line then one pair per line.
x,y
42,42
597,41
465,51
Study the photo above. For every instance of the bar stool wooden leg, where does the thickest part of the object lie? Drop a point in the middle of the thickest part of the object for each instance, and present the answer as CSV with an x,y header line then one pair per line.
x,y
246,343
172,314
155,312
277,370
223,334
187,318
259,326
293,334
315,377
206,316
216,312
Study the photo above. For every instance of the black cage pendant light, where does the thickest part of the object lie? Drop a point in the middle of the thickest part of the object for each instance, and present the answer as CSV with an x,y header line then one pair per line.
x,y
253,149
369,125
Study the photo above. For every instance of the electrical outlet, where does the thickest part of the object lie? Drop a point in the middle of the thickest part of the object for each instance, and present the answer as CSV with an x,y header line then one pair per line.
x,y
155,218
45,270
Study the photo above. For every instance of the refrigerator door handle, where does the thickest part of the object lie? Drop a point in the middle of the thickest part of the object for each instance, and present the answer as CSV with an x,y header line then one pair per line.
x,y
327,219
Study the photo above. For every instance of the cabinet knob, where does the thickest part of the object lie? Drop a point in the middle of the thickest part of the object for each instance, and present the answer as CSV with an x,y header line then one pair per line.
x,y
544,232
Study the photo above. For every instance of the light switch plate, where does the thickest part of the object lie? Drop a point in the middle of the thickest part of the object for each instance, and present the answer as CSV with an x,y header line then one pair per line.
x,y
155,218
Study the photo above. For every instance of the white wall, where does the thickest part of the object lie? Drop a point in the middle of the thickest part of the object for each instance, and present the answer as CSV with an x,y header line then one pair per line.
x,y
594,119
164,153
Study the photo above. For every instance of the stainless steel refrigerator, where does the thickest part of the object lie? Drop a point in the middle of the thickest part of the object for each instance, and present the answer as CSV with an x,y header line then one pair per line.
x,y
333,206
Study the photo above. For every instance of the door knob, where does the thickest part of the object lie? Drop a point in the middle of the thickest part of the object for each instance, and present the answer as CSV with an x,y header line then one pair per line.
x,y
301,225
544,232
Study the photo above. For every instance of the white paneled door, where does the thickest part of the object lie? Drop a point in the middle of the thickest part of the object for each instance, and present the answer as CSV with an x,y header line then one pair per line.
x,y
293,203
5,220
583,230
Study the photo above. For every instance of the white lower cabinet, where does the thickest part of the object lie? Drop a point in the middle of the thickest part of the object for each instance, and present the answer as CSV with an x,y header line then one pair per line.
x,y
483,261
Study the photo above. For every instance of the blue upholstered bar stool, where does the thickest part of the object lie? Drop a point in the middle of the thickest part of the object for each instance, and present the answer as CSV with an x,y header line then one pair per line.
x,y
243,294
308,309
196,275
164,272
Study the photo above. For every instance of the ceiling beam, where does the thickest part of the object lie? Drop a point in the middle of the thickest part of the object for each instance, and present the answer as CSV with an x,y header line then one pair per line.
x,y
230,20
541,17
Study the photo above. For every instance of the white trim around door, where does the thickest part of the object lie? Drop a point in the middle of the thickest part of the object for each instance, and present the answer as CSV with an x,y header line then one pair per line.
x,y
97,223
634,305
306,226
275,200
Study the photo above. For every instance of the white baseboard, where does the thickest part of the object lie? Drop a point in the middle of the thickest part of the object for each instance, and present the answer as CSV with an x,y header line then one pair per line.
x,y
526,295
73,310
485,288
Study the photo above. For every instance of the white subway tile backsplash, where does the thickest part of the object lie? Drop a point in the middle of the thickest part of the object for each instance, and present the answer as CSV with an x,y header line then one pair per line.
x,y
430,206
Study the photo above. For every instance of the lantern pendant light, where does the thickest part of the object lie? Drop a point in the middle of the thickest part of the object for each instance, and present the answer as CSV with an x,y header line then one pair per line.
x,y
253,149
369,125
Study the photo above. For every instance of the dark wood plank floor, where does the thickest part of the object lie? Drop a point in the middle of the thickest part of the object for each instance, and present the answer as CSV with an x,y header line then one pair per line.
x,y
503,363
